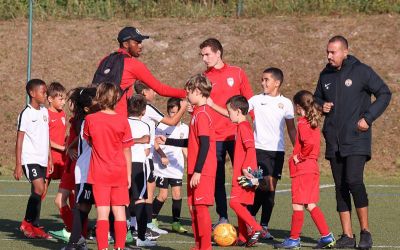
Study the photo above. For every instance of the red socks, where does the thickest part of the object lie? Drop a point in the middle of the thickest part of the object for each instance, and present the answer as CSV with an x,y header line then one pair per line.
x,y
319,220
203,220
102,234
66,216
297,224
120,234
195,227
243,213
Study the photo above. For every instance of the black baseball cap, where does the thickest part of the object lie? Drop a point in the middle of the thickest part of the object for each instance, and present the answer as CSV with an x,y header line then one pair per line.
x,y
129,33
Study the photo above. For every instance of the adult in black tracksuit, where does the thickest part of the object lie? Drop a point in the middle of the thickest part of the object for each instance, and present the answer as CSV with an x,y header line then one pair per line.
x,y
344,91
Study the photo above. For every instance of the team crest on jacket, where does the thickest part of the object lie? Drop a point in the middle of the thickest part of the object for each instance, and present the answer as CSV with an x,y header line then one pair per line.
x,y
280,105
348,82
230,81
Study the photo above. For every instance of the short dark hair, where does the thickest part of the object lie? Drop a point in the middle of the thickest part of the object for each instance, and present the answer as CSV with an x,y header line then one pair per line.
x,y
32,84
200,82
340,39
139,86
173,102
55,89
136,105
276,73
239,102
214,44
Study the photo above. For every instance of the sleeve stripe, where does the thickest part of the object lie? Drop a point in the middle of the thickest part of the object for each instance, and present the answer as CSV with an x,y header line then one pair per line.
x,y
20,116
155,109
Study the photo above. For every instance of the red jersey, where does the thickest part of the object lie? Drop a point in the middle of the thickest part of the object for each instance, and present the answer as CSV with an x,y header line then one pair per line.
x,y
108,134
202,124
306,147
57,132
136,70
227,82
245,151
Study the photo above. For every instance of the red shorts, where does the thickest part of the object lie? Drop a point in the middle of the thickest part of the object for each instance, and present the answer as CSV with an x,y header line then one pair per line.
x,y
58,171
203,194
305,189
67,181
110,196
242,195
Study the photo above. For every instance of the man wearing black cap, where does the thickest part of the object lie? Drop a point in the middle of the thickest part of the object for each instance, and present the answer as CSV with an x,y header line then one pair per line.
x,y
130,43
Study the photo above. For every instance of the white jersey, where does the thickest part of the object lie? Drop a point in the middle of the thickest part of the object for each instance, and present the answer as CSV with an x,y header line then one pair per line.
x,y
138,128
271,113
35,146
83,162
152,117
175,156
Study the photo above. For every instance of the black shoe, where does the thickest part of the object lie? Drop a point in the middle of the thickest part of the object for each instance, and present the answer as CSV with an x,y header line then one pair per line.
x,y
80,245
365,240
346,242
253,239
151,235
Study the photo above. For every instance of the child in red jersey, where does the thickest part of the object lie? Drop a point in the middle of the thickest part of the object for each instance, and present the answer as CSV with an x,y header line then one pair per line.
x,y
245,161
304,171
66,188
56,96
110,136
202,160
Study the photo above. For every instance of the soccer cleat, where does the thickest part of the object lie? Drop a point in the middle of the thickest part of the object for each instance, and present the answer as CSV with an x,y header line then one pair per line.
x,y
134,234
40,233
346,242
151,235
289,243
240,243
27,229
177,227
61,235
155,228
221,220
265,234
155,222
327,241
145,243
365,240
80,245
253,239
129,237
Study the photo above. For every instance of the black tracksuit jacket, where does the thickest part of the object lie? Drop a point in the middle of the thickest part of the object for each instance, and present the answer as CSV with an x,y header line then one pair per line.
x,y
350,90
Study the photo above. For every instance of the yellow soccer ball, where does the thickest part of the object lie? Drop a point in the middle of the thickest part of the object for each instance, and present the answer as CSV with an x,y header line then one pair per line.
x,y
225,235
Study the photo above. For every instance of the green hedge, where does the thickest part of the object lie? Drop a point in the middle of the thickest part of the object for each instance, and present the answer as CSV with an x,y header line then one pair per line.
x,y
105,9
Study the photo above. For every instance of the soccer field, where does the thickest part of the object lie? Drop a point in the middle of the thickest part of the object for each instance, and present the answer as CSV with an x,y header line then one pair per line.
x,y
384,196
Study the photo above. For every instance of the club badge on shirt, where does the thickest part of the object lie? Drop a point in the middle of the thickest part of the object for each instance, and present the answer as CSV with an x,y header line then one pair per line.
x,y
348,82
181,135
230,81
44,118
280,105
63,120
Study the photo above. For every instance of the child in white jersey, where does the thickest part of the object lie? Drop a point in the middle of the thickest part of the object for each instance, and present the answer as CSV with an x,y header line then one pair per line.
x,y
140,151
152,117
172,173
32,154
271,111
